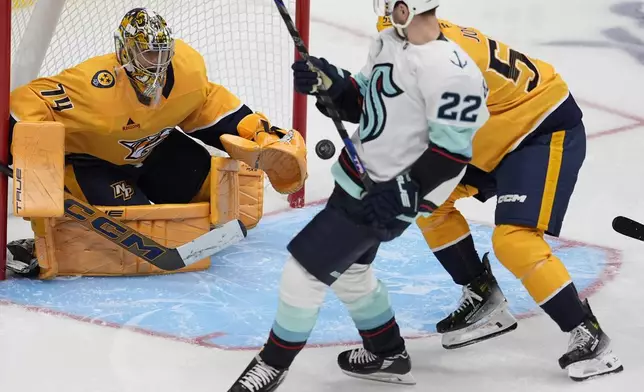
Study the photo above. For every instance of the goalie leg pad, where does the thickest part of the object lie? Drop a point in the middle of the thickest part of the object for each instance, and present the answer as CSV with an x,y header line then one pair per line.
x,y
66,248
235,191
224,190
38,150
251,195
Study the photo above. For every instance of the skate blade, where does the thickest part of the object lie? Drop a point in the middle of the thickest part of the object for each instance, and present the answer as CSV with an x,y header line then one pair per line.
x,y
496,324
606,364
405,379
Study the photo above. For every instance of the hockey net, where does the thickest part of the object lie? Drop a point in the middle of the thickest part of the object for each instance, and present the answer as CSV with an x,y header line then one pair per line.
x,y
244,43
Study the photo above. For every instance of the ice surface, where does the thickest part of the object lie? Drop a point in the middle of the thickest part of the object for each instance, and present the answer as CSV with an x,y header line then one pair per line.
x,y
41,351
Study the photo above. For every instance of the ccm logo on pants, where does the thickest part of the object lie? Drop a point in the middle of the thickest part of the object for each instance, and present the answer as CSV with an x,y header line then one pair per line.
x,y
511,199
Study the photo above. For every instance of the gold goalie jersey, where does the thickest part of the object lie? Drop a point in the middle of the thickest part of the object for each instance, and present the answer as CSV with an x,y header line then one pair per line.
x,y
523,92
104,118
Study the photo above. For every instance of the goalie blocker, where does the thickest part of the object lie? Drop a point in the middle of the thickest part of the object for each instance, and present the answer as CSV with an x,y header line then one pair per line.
x,y
192,192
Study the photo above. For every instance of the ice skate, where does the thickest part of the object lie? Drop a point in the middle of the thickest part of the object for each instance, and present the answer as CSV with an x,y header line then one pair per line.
x,y
482,313
589,353
259,377
21,258
363,364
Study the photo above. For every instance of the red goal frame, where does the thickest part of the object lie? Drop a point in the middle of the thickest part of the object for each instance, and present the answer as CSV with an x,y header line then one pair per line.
x,y
5,77
296,200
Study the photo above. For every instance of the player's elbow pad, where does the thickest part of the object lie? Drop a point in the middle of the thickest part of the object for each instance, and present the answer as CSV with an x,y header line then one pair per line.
x,y
348,103
437,173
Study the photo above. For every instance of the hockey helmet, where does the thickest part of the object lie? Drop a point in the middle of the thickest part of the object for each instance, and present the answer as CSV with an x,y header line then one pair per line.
x,y
144,47
386,8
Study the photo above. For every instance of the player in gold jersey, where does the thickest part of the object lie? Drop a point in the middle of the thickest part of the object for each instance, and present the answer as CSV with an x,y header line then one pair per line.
x,y
126,116
528,154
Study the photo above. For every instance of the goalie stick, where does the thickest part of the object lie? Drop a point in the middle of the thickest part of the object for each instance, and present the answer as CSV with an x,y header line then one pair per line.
x,y
628,227
325,98
168,259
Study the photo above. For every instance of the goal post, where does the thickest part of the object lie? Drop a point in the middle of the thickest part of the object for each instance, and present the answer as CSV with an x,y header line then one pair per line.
x,y
5,66
302,18
244,43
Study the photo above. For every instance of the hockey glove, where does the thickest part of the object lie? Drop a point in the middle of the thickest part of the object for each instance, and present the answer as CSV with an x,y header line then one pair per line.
x,y
309,80
387,200
280,153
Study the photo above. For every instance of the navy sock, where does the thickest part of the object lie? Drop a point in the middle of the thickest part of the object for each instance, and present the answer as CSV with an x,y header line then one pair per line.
x,y
566,309
461,261
385,340
279,353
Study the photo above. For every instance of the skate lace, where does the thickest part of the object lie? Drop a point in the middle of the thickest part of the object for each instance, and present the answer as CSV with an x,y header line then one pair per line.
x,y
467,298
258,376
579,338
361,356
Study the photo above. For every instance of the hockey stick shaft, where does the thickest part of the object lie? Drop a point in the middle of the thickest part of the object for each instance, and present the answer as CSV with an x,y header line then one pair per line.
x,y
168,259
326,99
628,227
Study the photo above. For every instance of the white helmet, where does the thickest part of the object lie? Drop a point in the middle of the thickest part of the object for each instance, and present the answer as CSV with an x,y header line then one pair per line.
x,y
386,8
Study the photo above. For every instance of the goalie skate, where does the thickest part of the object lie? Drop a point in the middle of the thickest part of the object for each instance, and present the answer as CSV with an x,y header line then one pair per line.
x,y
21,259
482,313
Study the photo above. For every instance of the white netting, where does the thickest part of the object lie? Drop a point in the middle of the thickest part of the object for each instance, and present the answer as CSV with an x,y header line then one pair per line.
x,y
244,42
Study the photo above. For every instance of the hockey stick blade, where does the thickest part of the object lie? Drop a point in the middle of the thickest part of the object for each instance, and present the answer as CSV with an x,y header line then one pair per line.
x,y
325,98
212,242
168,259
628,227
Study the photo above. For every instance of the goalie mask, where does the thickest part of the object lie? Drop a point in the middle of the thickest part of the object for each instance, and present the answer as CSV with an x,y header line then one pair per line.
x,y
144,47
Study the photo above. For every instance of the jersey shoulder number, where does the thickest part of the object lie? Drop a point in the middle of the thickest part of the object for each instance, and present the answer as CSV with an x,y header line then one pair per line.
x,y
494,56
513,65
58,98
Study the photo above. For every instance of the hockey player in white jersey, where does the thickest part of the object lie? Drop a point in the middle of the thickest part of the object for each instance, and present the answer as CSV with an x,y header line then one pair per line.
x,y
419,100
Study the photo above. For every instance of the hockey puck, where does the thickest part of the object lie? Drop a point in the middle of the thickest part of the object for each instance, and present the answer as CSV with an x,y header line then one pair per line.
x,y
325,149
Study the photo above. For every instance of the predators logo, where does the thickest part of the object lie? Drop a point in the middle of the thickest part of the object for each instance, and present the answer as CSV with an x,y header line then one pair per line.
x,y
103,79
122,190
141,148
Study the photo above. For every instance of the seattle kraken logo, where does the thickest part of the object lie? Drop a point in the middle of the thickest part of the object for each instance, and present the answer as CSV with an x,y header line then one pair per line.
x,y
374,112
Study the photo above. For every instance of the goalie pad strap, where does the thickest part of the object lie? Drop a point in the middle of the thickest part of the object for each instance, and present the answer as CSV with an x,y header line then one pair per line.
x,y
224,190
251,195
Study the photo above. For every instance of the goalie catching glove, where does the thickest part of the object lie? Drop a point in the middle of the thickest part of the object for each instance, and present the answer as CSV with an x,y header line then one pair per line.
x,y
281,154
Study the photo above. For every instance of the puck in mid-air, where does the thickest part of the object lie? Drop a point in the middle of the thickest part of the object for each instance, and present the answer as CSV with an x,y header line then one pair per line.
x,y
325,149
